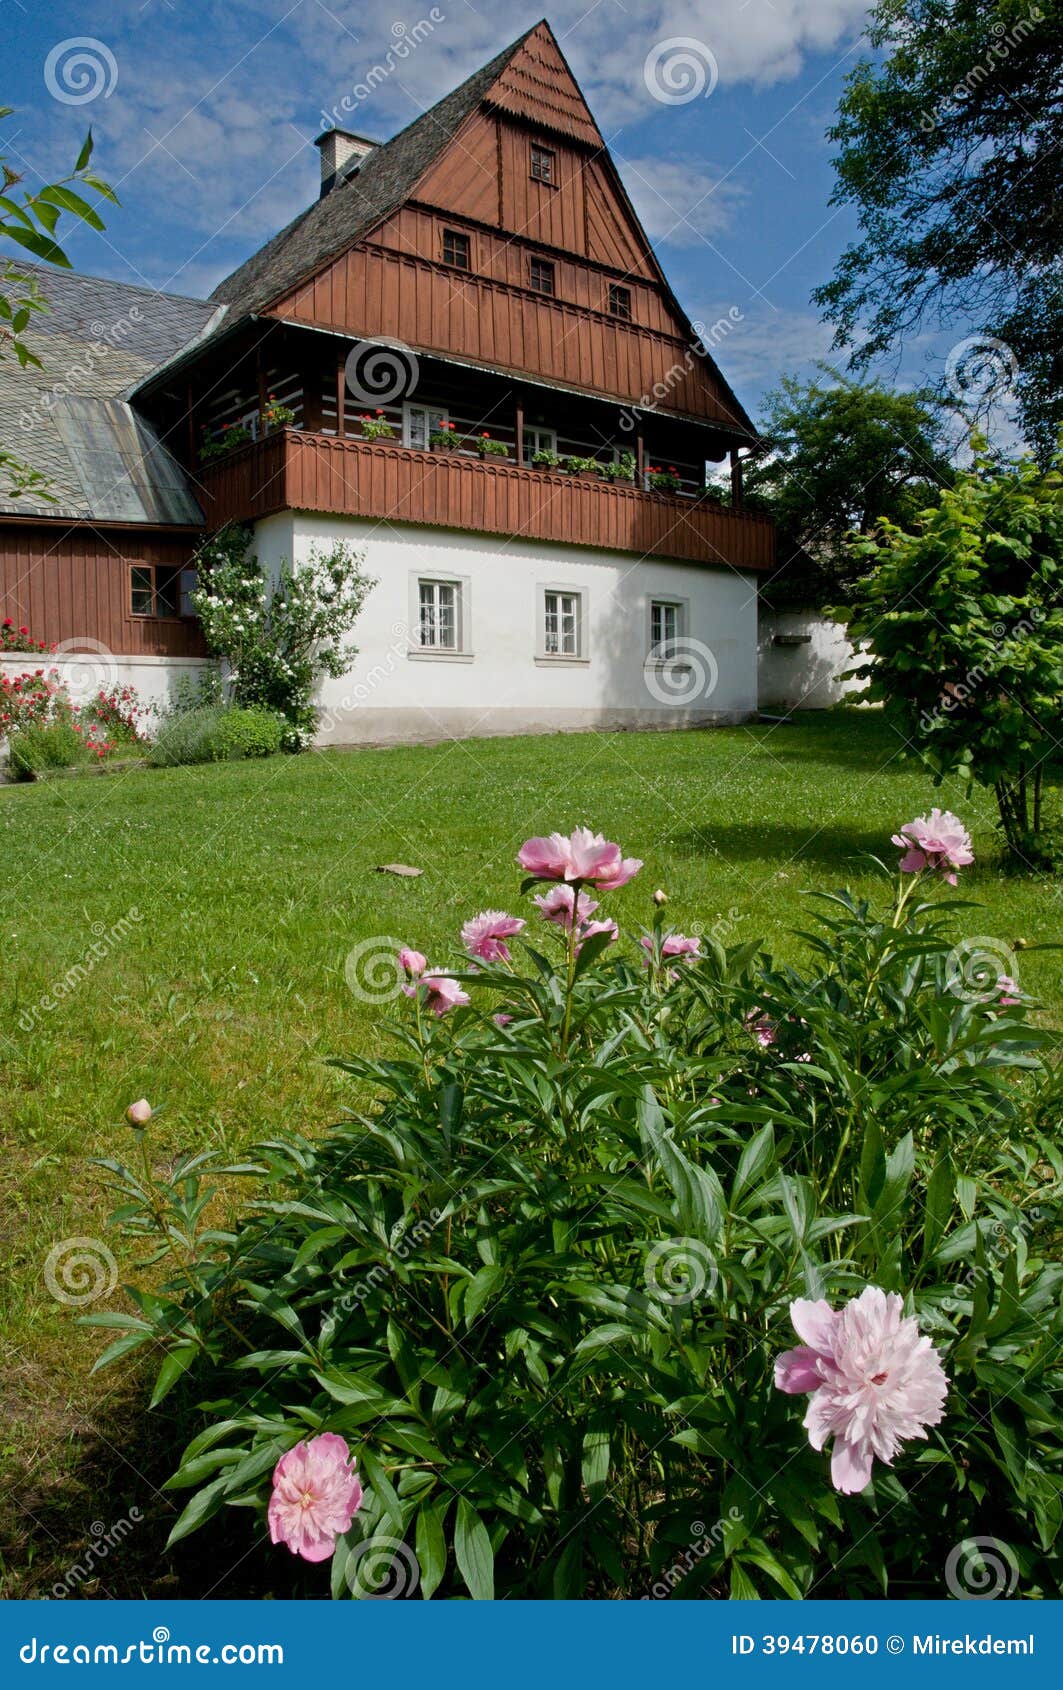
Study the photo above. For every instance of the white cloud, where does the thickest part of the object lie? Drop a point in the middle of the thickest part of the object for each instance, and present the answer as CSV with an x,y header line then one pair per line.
x,y
679,202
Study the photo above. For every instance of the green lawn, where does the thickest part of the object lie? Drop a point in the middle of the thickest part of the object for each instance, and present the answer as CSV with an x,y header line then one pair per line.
x,y
225,901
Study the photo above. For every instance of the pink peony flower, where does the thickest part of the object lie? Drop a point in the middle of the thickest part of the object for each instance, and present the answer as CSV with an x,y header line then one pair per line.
x,y
442,992
676,944
582,856
1009,992
501,1019
316,1494
556,906
139,1113
762,1027
873,1380
485,934
412,962
937,841
588,929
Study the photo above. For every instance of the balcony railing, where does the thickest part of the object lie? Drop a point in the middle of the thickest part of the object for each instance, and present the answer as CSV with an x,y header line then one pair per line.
x,y
293,470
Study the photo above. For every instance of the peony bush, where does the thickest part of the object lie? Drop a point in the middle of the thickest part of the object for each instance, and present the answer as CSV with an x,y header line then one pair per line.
x,y
523,1324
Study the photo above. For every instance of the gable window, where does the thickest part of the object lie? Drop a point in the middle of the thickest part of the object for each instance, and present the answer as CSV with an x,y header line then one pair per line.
x,y
666,629
562,623
543,164
439,604
538,440
620,302
157,589
418,421
456,249
542,275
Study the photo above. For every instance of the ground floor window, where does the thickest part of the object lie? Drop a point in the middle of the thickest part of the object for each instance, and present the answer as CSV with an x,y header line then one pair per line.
x,y
666,626
161,589
440,615
562,623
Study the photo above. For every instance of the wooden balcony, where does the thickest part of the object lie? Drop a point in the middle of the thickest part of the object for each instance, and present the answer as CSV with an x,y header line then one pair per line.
x,y
293,470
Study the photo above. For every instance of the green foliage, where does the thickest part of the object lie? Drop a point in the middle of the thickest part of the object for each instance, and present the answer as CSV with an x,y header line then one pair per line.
x,y
545,459
963,622
39,746
662,480
582,466
539,1283
216,733
489,448
948,140
218,443
842,454
29,221
280,636
376,428
621,468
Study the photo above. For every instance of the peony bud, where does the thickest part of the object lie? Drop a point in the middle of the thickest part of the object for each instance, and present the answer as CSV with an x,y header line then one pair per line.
x,y
139,1114
660,897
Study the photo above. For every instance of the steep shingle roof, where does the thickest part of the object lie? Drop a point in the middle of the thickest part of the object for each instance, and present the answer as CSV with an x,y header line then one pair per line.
x,y
96,342
381,184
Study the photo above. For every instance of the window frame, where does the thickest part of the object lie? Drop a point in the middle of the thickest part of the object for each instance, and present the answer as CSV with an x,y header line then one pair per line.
x,y
461,651
681,606
462,236
537,150
534,262
578,658
538,431
626,315
180,572
433,415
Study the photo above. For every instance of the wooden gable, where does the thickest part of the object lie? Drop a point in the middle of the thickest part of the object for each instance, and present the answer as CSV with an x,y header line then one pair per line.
x,y
393,281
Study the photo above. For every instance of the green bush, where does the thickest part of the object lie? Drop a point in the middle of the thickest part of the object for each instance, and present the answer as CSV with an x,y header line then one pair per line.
x,y
46,745
541,1282
216,733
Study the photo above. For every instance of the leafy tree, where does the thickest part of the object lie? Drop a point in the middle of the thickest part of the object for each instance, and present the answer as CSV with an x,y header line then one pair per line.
x,y
842,455
29,220
279,636
963,620
950,153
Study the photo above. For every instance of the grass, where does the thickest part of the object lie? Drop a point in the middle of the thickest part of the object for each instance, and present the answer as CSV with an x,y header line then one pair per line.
x,y
223,902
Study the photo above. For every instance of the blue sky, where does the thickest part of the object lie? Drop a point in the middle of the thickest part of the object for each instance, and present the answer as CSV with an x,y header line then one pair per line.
x,y
205,114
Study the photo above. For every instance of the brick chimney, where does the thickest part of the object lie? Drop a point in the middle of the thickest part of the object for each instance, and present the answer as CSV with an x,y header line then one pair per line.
x,y
341,155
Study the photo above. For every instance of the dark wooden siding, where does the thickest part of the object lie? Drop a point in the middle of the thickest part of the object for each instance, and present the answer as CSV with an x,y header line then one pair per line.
x,y
310,472
72,583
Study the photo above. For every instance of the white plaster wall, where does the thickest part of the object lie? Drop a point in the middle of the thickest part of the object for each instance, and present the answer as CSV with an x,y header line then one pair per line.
x,y
83,673
498,686
805,676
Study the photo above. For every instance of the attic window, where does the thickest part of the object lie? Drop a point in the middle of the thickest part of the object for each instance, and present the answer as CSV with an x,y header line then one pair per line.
x,y
542,275
620,302
456,249
543,164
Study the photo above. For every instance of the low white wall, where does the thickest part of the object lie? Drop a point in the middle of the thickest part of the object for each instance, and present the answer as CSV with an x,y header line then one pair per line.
x,y
806,675
502,684
84,673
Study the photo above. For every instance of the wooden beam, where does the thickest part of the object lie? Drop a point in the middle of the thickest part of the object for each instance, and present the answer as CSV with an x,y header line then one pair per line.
x,y
312,385
520,428
736,479
341,396
263,392
640,459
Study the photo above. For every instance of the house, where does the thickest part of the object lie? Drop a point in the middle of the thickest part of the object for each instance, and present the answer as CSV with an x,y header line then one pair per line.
x,y
536,489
